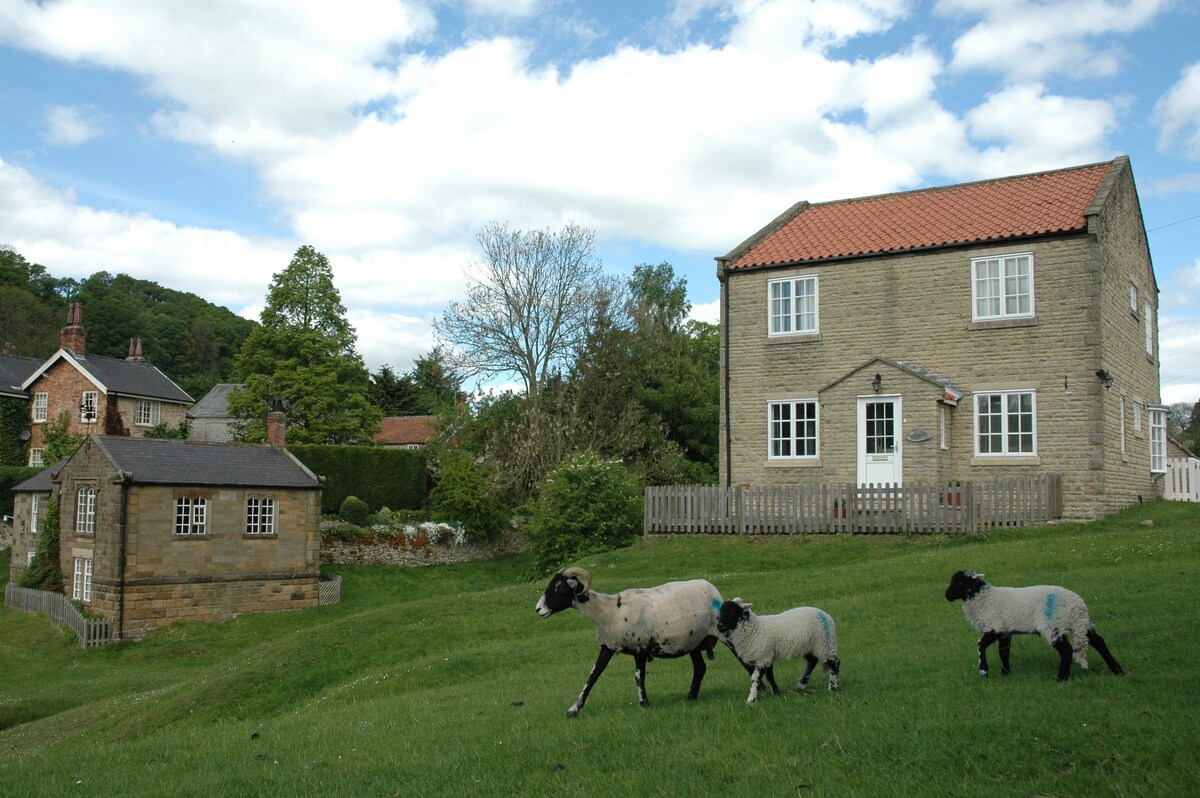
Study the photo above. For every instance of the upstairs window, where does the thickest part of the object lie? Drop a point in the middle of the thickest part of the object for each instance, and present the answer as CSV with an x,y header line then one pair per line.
x,y
793,429
1002,287
191,515
1006,423
1149,329
41,404
260,515
1133,298
147,413
85,510
37,457
792,306
87,407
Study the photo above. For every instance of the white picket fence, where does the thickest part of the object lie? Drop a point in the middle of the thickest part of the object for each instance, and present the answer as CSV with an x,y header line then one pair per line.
x,y
1183,479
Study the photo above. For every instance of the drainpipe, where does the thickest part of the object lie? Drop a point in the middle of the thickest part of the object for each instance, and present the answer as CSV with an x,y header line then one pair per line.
x,y
723,277
126,479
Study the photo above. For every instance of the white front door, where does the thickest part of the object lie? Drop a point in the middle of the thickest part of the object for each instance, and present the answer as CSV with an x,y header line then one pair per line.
x,y
879,439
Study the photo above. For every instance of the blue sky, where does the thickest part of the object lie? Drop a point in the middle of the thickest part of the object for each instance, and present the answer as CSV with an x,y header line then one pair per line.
x,y
199,144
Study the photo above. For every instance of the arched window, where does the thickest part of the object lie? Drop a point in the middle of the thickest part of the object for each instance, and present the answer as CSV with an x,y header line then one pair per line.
x,y
85,510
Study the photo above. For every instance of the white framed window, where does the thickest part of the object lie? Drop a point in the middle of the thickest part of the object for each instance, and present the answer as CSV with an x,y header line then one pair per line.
x,y
1133,298
41,407
792,306
1137,418
85,510
147,413
87,407
1002,287
1158,440
260,515
35,509
1006,423
37,457
81,582
1149,329
191,515
1122,424
793,430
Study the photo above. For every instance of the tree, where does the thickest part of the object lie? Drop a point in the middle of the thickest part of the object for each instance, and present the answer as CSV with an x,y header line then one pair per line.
x,y
58,442
44,572
303,353
530,311
424,391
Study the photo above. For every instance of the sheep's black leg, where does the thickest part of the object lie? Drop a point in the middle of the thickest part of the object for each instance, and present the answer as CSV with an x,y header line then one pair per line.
x,y
1063,647
834,666
602,659
639,676
808,669
984,641
769,673
755,684
698,669
1005,646
1097,642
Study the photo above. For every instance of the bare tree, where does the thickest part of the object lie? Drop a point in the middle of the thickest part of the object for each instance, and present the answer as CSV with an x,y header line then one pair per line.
x,y
530,311
1179,418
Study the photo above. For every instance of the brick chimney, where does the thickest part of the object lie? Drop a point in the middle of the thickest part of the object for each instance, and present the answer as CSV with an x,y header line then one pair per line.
x,y
276,424
72,337
135,351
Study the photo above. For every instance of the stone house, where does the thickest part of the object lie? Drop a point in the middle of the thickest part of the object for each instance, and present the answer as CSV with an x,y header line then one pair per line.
x,y
209,420
153,531
100,395
998,328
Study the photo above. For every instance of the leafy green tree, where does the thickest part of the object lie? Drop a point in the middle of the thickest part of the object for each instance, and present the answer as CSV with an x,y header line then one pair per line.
x,y
431,385
45,571
59,442
464,493
303,353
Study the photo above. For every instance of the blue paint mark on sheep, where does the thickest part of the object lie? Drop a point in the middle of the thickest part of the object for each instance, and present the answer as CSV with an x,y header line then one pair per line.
x,y
716,605
824,626
1051,600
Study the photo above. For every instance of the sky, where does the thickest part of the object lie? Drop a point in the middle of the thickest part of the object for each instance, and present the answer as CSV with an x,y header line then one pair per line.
x,y
199,144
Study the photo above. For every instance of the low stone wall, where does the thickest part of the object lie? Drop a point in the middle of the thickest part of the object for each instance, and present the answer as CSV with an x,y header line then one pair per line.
x,y
343,552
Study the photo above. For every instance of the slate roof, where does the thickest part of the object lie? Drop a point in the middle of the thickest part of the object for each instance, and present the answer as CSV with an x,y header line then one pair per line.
x,y
215,403
41,481
989,210
125,377
153,461
406,430
14,370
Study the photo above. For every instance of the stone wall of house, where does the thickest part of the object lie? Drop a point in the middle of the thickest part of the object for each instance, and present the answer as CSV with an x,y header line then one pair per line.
x,y
917,308
151,603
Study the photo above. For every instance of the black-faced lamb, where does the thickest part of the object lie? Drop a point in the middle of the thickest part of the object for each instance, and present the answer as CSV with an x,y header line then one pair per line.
x,y
759,641
670,620
1053,612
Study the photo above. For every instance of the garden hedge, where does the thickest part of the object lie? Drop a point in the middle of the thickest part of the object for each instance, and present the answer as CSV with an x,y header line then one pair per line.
x,y
380,476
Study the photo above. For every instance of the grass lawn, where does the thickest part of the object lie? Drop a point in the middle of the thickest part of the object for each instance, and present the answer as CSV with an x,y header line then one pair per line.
x,y
443,681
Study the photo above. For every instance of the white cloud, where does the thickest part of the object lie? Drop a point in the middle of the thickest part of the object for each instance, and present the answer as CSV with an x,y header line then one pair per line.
x,y
1033,39
71,124
1179,350
1178,113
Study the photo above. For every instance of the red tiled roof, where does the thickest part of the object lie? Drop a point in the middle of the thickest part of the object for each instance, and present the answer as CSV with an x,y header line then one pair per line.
x,y
406,430
989,210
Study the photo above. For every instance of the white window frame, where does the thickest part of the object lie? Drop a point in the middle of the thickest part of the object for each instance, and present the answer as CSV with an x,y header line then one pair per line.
x,y
81,581
85,510
1133,298
794,439
191,516
35,509
260,516
1137,419
997,286
1004,417
90,399
147,414
1158,439
1122,423
1149,330
37,457
784,314
41,407
943,438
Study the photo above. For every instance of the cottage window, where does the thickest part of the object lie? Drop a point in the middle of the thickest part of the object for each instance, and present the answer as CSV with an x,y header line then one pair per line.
x,y
41,405
37,458
260,515
1002,287
87,407
191,515
1133,298
81,582
1149,325
1006,423
147,413
792,430
35,508
1122,424
85,511
1158,440
792,306
1137,419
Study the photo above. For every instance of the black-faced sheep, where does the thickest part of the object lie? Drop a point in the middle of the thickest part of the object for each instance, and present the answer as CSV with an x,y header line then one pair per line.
x,y
759,641
1053,612
671,620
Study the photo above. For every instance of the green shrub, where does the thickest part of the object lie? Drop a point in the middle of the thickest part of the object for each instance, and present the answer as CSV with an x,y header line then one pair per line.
x,y
586,505
355,511
45,573
463,494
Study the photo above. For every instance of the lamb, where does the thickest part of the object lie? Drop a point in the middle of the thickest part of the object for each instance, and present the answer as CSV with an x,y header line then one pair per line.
x,y
1051,611
759,641
670,620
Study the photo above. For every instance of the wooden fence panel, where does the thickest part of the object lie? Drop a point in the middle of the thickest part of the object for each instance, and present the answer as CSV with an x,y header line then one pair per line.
x,y
847,508
92,632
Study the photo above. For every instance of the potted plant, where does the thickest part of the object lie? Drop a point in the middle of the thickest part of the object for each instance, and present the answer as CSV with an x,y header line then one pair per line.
x,y
839,508
953,496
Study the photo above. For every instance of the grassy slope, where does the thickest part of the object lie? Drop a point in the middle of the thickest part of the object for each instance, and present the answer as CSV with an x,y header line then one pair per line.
x,y
443,681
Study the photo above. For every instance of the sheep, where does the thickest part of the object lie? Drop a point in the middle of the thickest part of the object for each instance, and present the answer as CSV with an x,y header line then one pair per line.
x,y
759,641
1051,611
670,620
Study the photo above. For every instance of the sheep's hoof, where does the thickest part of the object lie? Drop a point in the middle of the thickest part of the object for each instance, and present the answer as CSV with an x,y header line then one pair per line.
x,y
572,712
983,673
